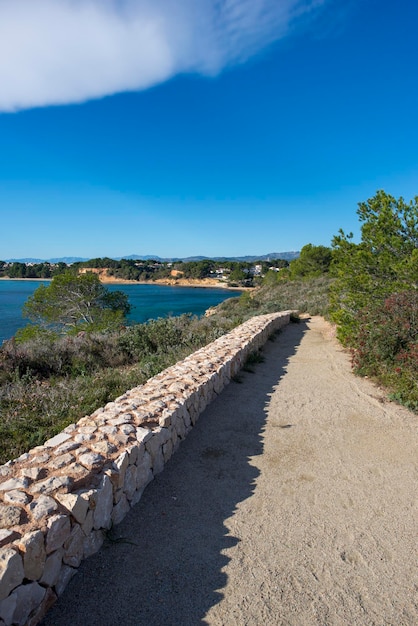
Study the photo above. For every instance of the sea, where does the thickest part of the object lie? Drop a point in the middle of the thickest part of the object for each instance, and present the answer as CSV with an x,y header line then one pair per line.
x,y
147,301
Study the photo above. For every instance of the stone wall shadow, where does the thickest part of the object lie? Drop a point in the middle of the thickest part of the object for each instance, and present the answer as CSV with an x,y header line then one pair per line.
x,y
162,566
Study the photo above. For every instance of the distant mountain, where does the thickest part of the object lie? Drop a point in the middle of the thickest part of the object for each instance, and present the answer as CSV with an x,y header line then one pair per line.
x,y
28,260
65,259
69,259
287,256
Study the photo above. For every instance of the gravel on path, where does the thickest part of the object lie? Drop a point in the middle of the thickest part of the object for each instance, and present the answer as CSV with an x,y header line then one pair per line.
x,y
291,503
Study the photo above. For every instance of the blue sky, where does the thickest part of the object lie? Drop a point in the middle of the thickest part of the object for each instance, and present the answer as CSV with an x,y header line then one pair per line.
x,y
224,127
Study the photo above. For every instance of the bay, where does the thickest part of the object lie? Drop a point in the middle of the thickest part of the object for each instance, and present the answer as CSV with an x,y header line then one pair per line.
x,y
147,301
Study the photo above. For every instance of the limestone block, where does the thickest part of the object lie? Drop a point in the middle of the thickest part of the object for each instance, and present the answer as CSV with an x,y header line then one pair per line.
x,y
90,495
5,469
88,430
158,462
49,599
117,496
144,474
181,429
79,473
59,529
142,434
7,536
32,547
74,504
14,483
7,609
40,458
137,496
104,448
133,454
93,543
164,434
90,460
165,418
69,446
103,504
87,527
120,510
167,450
217,384
42,506
84,437
193,416
174,436
24,599
130,481
74,547
11,571
52,484
20,604
127,429
57,440
185,415
202,404
52,568
9,516
32,473
64,578
125,418
122,463
120,440
108,430
113,474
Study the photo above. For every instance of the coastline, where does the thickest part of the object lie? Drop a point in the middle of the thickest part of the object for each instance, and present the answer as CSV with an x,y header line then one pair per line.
x,y
207,283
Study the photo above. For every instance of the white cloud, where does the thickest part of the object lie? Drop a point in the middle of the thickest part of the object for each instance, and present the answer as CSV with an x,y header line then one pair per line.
x,y
63,51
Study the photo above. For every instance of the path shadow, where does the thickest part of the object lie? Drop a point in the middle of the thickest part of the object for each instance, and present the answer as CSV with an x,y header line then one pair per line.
x,y
166,569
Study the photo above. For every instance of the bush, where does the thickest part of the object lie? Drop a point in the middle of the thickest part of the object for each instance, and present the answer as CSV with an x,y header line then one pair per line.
x,y
386,345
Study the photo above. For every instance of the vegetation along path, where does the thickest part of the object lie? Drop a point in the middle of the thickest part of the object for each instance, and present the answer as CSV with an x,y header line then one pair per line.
x,y
290,503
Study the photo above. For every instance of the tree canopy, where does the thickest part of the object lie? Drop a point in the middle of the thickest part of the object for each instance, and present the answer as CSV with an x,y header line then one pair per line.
x,y
74,302
312,261
383,263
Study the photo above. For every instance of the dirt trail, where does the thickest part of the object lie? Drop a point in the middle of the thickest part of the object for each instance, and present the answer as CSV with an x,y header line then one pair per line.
x,y
292,502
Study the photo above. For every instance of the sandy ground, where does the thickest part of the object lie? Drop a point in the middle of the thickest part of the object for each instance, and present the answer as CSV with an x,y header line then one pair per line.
x,y
292,502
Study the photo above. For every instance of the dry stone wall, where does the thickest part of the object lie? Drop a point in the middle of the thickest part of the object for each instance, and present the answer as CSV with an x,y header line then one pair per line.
x,y
58,500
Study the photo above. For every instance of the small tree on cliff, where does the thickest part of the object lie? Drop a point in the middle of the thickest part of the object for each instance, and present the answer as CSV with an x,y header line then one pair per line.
x,y
74,302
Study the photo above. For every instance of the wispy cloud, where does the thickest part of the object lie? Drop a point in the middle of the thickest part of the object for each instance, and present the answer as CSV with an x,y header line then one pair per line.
x,y
64,51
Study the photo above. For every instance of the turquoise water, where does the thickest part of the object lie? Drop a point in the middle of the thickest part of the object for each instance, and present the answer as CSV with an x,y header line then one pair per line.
x,y
147,301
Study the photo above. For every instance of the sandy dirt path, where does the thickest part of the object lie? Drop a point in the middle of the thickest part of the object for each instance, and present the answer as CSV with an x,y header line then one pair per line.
x,y
292,502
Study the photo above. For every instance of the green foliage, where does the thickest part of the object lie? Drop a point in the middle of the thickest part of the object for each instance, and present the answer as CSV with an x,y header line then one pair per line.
x,y
35,270
312,261
271,278
374,299
385,262
32,332
387,345
74,302
309,295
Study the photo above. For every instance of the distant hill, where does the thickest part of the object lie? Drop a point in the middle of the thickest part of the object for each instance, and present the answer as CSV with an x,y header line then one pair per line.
x,y
66,259
287,256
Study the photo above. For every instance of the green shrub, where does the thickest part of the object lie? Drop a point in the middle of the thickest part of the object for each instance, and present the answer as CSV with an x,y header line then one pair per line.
x,y
386,345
